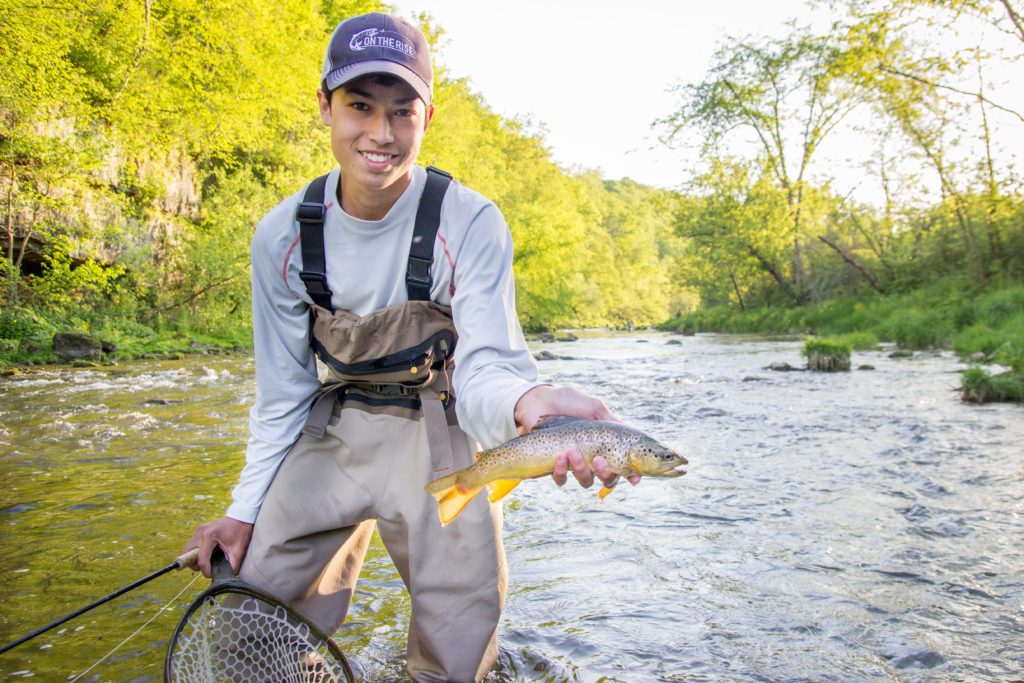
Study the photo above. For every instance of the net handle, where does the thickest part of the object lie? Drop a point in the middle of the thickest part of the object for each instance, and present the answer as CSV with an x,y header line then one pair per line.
x,y
220,567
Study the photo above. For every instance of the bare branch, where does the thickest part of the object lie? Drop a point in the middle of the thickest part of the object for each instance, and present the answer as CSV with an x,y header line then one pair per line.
x,y
1014,17
195,295
979,96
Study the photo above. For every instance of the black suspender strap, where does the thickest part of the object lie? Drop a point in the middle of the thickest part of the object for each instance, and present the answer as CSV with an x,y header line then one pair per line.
x,y
428,219
310,215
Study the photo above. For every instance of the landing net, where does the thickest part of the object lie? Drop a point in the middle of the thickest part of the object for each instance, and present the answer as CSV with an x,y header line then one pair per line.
x,y
234,637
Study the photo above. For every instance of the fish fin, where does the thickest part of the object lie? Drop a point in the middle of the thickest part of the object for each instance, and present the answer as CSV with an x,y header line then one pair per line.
x,y
500,488
450,498
548,421
604,492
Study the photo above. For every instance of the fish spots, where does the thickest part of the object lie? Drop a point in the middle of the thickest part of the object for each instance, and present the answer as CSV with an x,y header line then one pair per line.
x,y
626,450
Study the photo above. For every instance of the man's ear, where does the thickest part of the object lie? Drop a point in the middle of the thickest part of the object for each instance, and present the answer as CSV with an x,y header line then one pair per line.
x,y
325,107
428,117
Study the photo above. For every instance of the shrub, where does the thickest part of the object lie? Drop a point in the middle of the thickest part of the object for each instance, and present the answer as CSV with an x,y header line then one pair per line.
x,y
860,341
915,330
978,386
977,338
17,323
826,355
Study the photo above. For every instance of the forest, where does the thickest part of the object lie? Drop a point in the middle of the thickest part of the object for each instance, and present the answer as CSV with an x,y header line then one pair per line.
x,y
141,141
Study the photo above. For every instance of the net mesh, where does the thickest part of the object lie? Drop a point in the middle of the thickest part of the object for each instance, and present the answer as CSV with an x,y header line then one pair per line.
x,y
238,638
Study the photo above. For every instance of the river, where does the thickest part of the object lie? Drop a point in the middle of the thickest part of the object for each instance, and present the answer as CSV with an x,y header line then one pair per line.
x,y
856,526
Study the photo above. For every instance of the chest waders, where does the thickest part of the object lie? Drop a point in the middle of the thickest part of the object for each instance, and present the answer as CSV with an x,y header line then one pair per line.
x,y
398,359
381,426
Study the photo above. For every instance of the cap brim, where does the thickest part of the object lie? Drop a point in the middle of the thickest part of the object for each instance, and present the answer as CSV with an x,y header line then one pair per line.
x,y
340,77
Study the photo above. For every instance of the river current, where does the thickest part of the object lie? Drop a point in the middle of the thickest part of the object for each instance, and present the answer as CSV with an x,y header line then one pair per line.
x,y
855,526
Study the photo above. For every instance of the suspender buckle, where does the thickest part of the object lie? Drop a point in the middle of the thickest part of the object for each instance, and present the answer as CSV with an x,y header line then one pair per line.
x,y
316,283
310,212
418,271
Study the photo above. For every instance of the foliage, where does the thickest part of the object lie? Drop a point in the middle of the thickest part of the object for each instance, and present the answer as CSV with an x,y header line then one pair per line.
x,y
860,341
826,355
917,329
140,143
902,77
978,386
926,317
589,252
828,346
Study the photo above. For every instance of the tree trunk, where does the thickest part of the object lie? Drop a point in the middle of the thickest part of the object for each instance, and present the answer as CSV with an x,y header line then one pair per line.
x,y
774,272
854,264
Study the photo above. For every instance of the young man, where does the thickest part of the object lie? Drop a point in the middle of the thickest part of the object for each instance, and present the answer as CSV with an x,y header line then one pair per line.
x,y
326,463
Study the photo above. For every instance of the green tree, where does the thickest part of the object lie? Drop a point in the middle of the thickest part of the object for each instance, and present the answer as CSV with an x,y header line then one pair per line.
x,y
789,95
937,98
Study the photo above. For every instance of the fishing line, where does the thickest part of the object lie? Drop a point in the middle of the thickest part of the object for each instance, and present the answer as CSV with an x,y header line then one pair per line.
x,y
186,560
137,631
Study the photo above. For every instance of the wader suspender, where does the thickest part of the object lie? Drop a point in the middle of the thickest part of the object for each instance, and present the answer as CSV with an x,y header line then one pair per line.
x,y
311,212
443,439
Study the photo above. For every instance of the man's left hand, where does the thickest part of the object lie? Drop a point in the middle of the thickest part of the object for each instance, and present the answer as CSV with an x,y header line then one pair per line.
x,y
548,400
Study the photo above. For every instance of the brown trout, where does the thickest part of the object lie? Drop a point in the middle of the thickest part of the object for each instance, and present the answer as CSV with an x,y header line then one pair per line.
x,y
533,455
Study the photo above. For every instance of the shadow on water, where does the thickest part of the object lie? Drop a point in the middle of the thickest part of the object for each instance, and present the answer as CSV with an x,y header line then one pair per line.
x,y
853,526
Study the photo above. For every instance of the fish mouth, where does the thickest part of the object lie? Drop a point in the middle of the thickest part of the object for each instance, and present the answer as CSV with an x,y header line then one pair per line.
x,y
671,471
673,468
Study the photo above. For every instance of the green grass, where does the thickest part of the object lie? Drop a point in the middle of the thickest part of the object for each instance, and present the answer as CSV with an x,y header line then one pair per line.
x,y
826,355
938,317
26,337
987,327
978,386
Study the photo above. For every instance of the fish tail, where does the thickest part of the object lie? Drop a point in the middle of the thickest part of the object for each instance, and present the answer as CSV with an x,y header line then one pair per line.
x,y
450,498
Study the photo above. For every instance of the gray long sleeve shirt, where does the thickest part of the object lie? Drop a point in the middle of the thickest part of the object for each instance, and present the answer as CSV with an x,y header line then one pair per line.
x,y
366,264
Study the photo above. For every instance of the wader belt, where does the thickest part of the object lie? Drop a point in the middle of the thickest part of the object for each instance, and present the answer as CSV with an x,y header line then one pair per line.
x,y
446,441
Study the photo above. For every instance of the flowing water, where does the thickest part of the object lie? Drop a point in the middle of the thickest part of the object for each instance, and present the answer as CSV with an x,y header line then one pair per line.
x,y
858,526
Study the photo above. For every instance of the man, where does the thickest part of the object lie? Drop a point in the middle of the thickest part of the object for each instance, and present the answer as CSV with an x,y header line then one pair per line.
x,y
335,268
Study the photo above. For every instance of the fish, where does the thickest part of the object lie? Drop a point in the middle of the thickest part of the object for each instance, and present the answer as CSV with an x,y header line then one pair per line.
x,y
500,469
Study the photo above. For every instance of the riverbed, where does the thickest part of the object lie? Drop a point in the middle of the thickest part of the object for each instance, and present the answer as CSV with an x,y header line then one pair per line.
x,y
862,525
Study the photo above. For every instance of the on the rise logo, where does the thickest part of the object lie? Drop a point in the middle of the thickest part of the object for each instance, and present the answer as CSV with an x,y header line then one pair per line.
x,y
375,37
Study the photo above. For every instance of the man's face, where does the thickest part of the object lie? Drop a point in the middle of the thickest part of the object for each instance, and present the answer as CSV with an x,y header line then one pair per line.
x,y
377,126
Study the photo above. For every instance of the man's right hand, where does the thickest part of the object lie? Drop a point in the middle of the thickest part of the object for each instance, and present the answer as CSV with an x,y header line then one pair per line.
x,y
230,534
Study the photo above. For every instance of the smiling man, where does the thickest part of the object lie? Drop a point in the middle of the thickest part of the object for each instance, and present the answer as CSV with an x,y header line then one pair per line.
x,y
400,280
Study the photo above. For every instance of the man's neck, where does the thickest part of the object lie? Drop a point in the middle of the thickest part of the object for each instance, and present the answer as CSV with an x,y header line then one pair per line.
x,y
370,205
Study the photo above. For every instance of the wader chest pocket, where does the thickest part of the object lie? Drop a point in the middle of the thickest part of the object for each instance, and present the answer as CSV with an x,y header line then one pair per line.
x,y
405,344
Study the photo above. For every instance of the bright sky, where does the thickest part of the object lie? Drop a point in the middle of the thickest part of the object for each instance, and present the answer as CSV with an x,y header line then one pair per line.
x,y
594,73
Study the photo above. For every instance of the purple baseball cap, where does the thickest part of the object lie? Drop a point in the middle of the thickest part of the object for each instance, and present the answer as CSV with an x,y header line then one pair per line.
x,y
378,43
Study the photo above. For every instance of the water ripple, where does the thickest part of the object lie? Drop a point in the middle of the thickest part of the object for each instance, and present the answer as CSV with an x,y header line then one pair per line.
x,y
862,526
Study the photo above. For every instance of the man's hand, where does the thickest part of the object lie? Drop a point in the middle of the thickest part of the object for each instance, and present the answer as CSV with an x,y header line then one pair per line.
x,y
550,400
583,474
230,534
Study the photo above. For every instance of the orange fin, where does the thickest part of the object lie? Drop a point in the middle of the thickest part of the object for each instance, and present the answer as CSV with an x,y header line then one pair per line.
x,y
604,492
450,498
497,490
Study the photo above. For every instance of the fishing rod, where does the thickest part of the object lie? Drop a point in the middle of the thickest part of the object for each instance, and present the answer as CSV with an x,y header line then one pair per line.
x,y
180,562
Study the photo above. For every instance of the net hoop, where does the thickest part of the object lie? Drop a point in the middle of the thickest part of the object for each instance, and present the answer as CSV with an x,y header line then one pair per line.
x,y
232,632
